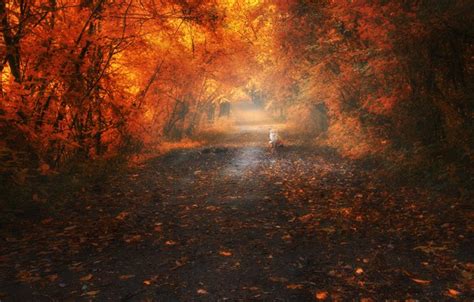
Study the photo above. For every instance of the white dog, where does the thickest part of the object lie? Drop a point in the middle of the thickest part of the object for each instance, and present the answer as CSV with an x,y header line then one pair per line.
x,y
273,139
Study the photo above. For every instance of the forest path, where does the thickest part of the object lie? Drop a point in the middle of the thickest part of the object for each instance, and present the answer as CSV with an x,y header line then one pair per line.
x,y
234,222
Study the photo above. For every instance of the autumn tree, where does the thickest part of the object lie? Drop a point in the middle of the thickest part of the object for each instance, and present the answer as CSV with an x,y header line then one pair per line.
x,y
389,72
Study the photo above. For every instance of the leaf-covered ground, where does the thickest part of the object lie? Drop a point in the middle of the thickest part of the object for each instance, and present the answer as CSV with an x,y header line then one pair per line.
x,y
234,222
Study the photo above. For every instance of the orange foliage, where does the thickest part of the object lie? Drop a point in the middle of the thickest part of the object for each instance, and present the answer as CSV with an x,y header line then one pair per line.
x,y
95,78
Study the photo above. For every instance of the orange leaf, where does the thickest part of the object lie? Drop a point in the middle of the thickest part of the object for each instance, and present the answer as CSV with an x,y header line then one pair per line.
x,y
294,286
92,293
151,280
121,215
132,238
126,277
225,253
306,218
453,292
421,281
53,277
321,295
47,220
86,277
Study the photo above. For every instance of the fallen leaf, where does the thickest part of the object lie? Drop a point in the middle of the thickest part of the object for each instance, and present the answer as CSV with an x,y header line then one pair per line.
x,y
329,230
35,197
211,208
121,215
321,295
151,280
46,221
306,218
202,291
132,238
254,288
225,253
467,275
92,293
52,278
86,277
421,281
170,242
453,293
294,286
126,277
44,169
278,279
430,249
359,271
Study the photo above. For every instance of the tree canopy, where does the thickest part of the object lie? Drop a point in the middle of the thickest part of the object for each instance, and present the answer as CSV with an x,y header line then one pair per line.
x,y
93,78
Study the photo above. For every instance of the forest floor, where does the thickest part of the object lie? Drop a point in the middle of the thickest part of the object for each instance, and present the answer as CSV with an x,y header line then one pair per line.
x,y
230,221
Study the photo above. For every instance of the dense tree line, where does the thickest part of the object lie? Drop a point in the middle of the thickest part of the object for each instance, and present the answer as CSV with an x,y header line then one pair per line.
x,y
93,78
394,73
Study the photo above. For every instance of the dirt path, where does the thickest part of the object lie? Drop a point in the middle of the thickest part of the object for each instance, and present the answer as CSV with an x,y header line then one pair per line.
x,y
237,223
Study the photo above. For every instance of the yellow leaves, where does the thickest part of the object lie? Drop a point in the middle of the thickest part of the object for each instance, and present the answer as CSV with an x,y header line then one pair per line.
x,y
225,253
86,277
321,295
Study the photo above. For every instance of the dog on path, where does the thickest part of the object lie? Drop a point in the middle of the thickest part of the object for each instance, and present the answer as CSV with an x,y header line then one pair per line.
x,y
275,141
